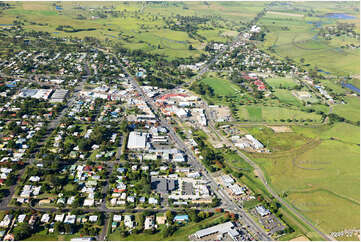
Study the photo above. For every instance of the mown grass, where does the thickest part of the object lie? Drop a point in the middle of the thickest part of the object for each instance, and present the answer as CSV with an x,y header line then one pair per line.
x,y
285,96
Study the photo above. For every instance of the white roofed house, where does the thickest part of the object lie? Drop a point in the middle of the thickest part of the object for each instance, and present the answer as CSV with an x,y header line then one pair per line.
x,y
220,229
70,219
149,222
59,217
93,218
153,201
6,220
45,218
88,202
117,218
128,221
21,218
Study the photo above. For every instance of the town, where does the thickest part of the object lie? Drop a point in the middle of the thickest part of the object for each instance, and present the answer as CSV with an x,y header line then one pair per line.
x,y
98,142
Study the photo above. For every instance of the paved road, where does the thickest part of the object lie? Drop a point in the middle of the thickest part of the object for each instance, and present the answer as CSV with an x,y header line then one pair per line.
x,y
103,235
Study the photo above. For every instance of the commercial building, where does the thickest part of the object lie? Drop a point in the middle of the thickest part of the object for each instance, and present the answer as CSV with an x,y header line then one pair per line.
x,y
254,142
58,96
262,211
137,140
220,229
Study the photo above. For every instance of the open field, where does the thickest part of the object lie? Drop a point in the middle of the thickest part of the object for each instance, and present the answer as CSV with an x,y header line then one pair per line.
x,y
221,87
315,176
300,39
286,96
44,236
258,113
281,81
136,25
351,110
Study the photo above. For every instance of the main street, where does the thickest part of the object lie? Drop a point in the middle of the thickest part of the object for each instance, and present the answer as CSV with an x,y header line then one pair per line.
x,y
226,200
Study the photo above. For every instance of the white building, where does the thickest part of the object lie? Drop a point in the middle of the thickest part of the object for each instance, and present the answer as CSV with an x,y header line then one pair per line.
x,y
255,143
137,140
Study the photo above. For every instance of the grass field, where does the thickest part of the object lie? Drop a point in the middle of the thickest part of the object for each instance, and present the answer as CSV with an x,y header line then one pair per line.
x,y
285,96
281,81
300,40
351,110
321,177
44,236
221,87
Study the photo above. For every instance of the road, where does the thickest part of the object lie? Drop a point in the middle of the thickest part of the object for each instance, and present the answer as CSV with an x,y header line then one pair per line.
x,y
213,60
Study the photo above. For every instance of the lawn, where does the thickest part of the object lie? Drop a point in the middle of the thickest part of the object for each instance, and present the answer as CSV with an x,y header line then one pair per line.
x,y
44,236
254,113
338,131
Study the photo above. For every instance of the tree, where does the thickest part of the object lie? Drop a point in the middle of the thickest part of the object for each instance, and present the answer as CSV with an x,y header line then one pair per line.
x,y
22,231
58,227
190,47
84,145
169,231
170,216
193,215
